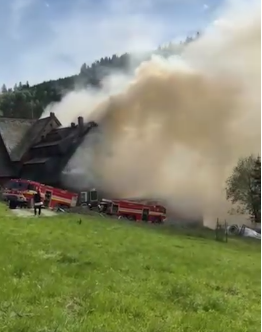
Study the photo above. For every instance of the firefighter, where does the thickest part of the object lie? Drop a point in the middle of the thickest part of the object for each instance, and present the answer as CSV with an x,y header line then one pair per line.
x,y
37,202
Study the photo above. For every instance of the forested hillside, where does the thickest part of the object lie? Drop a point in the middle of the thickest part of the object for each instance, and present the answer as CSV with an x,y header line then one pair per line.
x,y
25,101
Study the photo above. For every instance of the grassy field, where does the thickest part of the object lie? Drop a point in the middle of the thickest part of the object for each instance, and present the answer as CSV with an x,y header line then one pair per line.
x,y
111,276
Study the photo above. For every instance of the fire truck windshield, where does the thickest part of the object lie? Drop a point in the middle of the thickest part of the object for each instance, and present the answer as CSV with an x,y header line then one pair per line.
x,y
20,185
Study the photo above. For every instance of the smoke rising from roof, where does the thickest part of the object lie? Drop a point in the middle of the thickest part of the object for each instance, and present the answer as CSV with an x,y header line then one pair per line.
x,y
176,129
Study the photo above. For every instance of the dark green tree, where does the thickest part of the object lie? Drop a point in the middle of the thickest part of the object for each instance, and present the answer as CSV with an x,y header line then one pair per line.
x,y
243,187
83,69
4,89
256,190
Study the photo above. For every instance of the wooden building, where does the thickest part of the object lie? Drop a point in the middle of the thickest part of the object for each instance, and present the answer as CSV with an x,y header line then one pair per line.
x,y
38,149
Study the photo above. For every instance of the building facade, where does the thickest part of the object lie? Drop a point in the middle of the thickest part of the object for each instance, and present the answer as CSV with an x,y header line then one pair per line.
x,y
38,149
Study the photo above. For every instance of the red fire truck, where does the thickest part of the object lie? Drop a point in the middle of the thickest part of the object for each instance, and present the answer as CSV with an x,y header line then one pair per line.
x,y
137,211
20,192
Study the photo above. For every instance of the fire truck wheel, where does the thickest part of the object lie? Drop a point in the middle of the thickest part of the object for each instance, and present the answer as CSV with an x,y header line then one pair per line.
x,y
64,207
59,206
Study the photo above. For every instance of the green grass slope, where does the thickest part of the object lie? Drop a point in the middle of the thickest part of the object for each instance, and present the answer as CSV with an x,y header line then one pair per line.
x,y
111,276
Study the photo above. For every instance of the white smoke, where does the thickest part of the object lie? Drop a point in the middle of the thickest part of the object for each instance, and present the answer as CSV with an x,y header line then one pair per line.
x,y
176,128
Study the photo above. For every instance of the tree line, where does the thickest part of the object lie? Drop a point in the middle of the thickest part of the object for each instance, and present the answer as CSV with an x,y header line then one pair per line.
x,y
25,101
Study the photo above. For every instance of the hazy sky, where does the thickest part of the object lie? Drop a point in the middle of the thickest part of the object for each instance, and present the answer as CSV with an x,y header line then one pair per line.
x,y
48,39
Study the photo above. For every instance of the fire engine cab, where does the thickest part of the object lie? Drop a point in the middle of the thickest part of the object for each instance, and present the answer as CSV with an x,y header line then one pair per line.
x,y
88,198
137,211
20,192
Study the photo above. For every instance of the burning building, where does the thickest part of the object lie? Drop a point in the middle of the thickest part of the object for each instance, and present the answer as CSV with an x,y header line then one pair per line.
x,y
40,149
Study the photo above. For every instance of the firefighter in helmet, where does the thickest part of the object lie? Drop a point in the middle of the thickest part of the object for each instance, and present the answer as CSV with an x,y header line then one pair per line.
x,y
37,202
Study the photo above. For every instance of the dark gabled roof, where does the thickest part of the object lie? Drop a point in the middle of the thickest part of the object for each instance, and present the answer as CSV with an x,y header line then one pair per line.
x,y
13,130
47,165
67,131
56,136
19,134
30,137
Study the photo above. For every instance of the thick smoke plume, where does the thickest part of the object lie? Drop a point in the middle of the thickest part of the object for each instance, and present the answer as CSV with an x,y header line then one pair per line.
x,y
178,127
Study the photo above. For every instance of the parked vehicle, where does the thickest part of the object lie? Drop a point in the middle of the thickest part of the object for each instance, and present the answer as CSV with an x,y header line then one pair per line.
x,y
137,211
20,192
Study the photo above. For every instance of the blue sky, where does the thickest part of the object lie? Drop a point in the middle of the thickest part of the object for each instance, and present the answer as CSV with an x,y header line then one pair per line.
x,y
48,39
